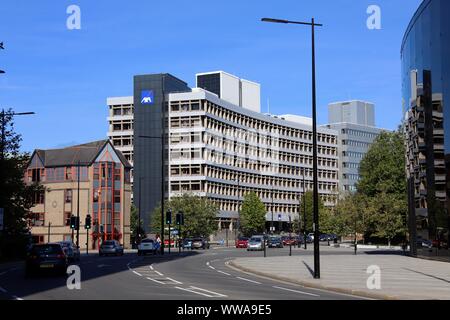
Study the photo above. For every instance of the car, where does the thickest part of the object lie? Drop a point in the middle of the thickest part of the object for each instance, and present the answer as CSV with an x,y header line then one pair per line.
x,y
45,258
241,242
147,246
256,243
311,236
111,247
275,242
423,243
323,237
290,241
71,250
187,243
200,243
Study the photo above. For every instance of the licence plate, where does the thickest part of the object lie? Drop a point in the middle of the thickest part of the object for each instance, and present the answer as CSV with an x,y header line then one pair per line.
x,y
47,265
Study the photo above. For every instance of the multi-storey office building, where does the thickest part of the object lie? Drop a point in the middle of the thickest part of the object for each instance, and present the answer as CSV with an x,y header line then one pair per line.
x,y
426,95
102,190
221,150
355,123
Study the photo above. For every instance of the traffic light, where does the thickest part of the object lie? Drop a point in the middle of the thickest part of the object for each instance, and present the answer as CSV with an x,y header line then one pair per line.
x,y
180,219
74,222
87,223
169,217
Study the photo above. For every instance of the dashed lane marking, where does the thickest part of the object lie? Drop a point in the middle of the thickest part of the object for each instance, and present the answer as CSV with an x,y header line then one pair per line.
x,y
174,281
157,281
297,291
227,274
248,280
140,275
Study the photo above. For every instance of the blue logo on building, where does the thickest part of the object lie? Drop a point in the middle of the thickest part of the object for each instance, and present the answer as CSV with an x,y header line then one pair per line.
x,y
147,97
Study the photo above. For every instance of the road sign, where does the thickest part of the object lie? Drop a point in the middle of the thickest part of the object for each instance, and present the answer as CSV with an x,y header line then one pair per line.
x,y
1,218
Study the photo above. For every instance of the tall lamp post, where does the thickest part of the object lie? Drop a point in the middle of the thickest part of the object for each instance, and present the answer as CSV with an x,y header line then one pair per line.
x,y
315,177
238,222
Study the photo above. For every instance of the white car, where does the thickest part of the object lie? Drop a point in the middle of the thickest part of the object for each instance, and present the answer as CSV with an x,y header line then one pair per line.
x,y
147,246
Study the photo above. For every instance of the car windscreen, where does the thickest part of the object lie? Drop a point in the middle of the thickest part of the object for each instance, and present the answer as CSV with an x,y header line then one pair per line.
x,y
243,239
255,240
108,243
47,249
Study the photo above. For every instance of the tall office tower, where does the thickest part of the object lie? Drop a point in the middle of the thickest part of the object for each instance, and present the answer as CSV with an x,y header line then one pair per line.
x,y
355,123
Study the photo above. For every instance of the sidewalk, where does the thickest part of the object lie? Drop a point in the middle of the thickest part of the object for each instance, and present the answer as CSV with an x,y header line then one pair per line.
x,y
402,277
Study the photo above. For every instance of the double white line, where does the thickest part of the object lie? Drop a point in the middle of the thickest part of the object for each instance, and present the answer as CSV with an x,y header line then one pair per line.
x,y
202,292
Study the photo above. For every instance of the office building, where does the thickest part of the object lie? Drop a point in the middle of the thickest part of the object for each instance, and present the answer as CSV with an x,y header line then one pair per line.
x,y
218,145
355,123
426,96
101,189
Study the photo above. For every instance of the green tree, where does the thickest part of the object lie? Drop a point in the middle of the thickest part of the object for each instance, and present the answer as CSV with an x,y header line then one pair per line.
x,y
16,197
199,215
306,205
383,167
253,214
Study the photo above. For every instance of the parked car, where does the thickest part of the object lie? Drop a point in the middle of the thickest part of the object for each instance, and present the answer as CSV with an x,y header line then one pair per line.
x,y
290,241
71,250
46,257
311,236
241,242
275,242
111,247
187,243
200,243
323,237
256,243
423,243
147,246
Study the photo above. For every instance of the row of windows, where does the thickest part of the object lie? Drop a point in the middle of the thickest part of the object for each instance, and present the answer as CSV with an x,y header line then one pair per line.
x,y
121,110
261,125
56,174
351,165
122,141
355,143
185,122
125,125
353,154
351,176
185,106
359,133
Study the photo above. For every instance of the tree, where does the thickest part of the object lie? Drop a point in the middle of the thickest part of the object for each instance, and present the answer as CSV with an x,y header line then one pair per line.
x,y
134,224
253,214
383,167
16,197
306,205
199,215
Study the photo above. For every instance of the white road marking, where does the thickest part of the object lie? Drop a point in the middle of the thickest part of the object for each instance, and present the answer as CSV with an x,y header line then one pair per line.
x,y
249,280
17,298
192,291
207,263
160,282
158,273
212,267
211,292
296,291
3,290
140,275
151,267
174,281
227,274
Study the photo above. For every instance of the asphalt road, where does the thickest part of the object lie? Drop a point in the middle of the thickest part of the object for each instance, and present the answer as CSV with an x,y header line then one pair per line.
x,y
191,275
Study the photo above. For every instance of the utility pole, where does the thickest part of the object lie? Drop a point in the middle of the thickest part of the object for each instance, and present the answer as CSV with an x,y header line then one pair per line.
x,y
304,211
49,226
78,206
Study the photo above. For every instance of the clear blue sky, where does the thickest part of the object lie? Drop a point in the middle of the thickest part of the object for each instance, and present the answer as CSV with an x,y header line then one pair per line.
x,y
65,76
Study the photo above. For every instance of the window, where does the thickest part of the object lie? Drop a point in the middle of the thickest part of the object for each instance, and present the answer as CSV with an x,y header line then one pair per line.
x,y
35,175
39,197
37,219
117,196
68,196
68,173
96,195
67,216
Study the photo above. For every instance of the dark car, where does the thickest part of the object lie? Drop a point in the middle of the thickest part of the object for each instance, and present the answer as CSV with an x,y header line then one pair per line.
x,y
46,258
241,242
111,247
275,242
187,243
200,243
323,237
71,250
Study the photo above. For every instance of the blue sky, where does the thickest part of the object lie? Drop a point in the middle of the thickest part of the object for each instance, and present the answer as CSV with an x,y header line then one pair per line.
x,y
66,75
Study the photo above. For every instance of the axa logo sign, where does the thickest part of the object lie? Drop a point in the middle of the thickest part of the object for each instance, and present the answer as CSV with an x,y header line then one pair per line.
x,y
147,97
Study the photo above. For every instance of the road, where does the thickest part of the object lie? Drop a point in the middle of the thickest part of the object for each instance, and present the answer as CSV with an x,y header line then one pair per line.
x,y
191,275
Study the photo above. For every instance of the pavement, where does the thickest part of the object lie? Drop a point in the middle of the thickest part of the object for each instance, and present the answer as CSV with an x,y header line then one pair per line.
x,y
401,277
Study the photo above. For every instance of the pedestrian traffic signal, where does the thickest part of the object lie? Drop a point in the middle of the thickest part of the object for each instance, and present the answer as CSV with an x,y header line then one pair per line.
x,y
180,219
87,223
169,217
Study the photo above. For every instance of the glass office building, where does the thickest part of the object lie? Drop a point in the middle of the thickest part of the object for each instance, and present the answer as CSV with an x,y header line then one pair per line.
x,y
425,55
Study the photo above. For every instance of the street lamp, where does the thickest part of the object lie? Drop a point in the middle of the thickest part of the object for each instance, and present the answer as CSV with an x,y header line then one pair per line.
x,y
238,222
315,177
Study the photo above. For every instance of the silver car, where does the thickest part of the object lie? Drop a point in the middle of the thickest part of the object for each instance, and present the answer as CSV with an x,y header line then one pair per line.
x,y
112,247
71,250
255,244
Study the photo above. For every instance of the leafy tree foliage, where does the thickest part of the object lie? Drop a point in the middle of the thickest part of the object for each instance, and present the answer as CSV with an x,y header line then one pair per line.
x,y
199,215
253,214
